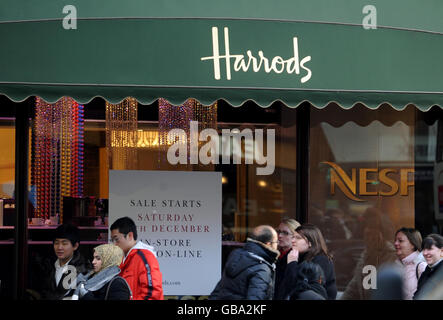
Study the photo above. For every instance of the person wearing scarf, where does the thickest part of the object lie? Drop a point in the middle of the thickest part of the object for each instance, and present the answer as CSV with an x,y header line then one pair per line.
x,y
103,283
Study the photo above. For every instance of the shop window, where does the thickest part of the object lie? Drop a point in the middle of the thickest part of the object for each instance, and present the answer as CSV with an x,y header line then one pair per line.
x,y
248,199
7,205
368,168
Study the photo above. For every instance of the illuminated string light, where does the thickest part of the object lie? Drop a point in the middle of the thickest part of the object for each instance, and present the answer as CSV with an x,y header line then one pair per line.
x,y
57,169
179,117
121,134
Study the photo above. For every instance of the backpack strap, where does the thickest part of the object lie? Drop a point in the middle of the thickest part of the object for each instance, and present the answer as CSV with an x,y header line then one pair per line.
x,y
110,284
416,269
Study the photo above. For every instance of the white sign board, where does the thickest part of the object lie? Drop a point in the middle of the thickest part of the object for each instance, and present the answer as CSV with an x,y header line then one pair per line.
x,y
179,214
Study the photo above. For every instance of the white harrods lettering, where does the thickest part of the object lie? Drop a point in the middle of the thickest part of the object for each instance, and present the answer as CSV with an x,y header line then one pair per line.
x,y
241,63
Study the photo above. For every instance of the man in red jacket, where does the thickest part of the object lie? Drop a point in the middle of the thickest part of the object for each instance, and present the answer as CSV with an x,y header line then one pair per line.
x,y
140,267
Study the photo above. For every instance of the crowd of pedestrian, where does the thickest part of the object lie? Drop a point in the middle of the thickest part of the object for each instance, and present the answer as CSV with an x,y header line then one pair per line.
x,y
291,262
304,268
126,269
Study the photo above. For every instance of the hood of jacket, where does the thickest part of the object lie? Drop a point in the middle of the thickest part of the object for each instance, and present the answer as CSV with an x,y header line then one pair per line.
x,y
140,245
253,253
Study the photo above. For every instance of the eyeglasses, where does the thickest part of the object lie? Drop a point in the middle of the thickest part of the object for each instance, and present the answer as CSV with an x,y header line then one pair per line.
x,y
285,233
116,239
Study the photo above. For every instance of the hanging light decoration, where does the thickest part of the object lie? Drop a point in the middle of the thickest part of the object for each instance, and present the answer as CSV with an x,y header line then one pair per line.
x,y
173,117
205,115
148,139
179,117
121,134
57,169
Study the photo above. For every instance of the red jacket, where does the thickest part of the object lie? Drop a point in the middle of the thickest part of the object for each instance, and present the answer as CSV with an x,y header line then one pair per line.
x,y
141,270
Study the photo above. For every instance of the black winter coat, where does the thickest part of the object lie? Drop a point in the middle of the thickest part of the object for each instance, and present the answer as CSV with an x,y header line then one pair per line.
x,y
305,290
428,278
280,271
118,290
52,291
308,295
248,275
327,266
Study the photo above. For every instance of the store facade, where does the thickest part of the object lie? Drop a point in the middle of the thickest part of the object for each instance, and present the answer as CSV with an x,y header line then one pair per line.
x,y
355,112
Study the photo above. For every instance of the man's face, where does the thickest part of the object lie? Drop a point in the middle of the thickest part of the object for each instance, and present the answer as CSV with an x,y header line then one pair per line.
x,y
125,242
63,248
274,242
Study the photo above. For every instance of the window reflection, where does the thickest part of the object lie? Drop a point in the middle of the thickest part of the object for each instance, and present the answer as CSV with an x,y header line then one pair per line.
x,y
361,187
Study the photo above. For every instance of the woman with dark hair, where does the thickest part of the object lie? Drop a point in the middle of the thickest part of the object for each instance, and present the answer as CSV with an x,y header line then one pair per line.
x,y
309,245
309,285
407,248
433,253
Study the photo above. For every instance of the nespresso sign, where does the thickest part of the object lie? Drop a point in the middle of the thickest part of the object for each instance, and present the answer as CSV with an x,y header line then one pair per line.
x,y
363,177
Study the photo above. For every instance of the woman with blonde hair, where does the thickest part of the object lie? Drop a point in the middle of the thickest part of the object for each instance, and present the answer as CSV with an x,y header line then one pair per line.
x,y
104,282
285,232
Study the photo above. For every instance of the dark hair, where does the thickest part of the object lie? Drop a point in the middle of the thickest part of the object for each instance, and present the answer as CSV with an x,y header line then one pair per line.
x,y
433,240
262,233
310,272
413,235
309,277
67,231
124,226
318,244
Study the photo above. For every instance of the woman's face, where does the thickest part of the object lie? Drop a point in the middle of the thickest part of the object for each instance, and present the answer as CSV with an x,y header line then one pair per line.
x,y
97,262
284,237
403,246
433,254
300,242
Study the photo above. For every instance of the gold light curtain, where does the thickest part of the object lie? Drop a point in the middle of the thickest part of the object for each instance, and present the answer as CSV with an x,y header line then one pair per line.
x,y
121,134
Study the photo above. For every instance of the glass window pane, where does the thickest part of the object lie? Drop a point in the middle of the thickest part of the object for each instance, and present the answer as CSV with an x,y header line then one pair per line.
x,y
361,188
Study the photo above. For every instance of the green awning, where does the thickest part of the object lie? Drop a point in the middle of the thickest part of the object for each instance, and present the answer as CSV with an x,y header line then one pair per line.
x,y
293,51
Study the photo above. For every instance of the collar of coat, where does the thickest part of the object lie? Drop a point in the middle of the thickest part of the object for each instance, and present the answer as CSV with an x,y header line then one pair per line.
x,y
271,251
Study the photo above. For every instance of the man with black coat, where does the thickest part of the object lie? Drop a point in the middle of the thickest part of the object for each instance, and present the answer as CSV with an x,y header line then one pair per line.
x,y
249,273
61,275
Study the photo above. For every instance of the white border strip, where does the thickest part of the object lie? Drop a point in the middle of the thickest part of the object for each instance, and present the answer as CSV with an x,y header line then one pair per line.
x,y
225,18
212,87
